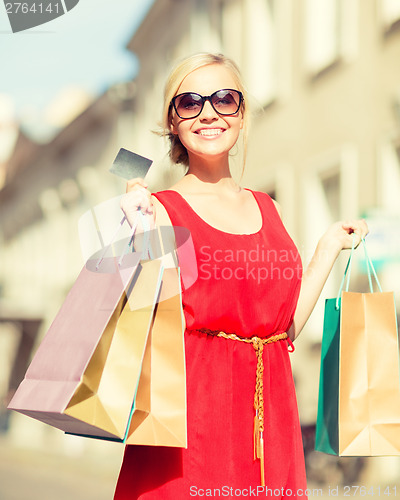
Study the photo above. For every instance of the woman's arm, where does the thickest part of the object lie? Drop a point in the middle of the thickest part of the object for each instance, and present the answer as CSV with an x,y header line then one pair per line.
x,y
339,236
138,197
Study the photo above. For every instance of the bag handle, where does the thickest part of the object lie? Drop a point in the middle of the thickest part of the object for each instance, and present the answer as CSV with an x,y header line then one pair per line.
x,y
112,240
370,267
146,245
147,251
347,271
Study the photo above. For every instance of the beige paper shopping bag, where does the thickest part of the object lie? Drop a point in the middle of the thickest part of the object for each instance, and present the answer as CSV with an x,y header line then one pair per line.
x,y
369,383
159,413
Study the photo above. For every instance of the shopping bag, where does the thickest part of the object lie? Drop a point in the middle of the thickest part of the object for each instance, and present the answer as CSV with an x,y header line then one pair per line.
x,y
112,374
67,384
359,389
157,366
158,414
159,410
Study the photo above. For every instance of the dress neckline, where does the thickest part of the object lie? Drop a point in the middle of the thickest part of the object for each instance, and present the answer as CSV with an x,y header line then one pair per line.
x,y
221,230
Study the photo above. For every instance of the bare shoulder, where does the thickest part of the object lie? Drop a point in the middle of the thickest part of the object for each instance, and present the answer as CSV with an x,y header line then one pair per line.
x,y
278,207
165,234
162,217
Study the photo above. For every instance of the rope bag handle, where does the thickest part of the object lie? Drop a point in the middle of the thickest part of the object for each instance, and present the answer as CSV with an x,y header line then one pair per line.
x,y
147,251
347,271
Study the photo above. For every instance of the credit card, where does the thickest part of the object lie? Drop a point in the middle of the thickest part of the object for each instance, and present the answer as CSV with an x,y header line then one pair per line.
x,y
129,165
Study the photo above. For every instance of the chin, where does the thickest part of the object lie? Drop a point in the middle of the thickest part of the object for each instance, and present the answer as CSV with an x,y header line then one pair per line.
x,y
212,149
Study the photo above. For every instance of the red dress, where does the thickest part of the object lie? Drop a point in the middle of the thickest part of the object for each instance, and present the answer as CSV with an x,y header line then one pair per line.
x,y
248,285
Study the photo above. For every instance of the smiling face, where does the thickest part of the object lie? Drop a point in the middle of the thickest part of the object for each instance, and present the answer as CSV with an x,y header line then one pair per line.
x,y
209,134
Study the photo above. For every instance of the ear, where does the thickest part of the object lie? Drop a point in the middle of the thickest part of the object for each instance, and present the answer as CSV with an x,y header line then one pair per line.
x,y
173,127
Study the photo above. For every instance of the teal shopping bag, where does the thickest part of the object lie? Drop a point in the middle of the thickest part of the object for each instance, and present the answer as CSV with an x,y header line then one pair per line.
x,y
327,428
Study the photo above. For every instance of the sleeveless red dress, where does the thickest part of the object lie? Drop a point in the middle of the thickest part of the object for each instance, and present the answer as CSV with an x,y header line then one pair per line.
x,y
249,285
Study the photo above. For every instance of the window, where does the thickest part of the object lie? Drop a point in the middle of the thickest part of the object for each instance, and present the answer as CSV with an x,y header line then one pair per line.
x,y
205,26
329,193
260,63
384,219
232,29
330,184
389,175
322,34
257,35
390,14
330,33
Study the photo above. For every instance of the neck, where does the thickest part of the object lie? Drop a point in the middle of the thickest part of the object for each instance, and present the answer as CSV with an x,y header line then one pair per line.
x,y
213,172
193,183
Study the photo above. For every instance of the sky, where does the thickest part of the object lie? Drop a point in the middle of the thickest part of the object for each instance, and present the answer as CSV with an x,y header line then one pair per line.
x,y
85,48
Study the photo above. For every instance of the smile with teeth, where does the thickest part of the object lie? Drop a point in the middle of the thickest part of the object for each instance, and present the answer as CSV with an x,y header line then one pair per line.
x,y
210,132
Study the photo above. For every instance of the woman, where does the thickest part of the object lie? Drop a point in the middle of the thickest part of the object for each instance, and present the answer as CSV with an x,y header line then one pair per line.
x,y
249,282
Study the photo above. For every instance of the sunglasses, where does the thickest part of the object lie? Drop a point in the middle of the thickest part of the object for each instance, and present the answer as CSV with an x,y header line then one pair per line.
x,y
224,102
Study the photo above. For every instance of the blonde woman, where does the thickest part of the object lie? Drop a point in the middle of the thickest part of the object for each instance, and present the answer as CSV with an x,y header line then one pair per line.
x,y
249,302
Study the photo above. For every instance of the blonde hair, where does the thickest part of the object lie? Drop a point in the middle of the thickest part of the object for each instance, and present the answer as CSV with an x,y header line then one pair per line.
x,y
178,152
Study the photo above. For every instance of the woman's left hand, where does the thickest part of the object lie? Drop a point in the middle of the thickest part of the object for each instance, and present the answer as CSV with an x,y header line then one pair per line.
x,y
340,235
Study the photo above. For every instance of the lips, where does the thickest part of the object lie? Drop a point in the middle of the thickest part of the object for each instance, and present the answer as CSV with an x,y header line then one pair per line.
x,y
210,132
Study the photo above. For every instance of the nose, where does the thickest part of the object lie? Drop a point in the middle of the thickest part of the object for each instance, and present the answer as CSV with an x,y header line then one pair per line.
x,y
208,112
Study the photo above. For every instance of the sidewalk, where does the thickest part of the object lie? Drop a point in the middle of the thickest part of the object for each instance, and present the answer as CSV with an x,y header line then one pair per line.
x,y
32,475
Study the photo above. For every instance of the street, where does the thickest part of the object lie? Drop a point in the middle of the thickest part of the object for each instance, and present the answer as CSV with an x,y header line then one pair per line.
x,y
31,475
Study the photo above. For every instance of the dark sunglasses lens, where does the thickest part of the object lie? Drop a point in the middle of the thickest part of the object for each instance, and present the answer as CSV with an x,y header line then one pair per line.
x,y
226,102
188,105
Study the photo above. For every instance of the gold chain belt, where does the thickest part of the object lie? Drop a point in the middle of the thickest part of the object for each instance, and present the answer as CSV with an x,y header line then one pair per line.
x,y
258,344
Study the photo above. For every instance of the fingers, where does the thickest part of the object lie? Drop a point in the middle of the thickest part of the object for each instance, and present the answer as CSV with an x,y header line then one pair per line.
x,y
137,198
358,227
136,183
356,230
141,196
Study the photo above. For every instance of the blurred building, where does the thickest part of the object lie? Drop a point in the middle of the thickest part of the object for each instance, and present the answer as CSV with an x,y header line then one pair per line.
x,y
324,84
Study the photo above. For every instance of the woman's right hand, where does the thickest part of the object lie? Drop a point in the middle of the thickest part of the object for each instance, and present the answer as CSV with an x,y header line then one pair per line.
x,y
137,197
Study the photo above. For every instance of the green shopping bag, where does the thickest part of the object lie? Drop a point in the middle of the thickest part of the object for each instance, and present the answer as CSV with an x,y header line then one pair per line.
x,y
327,426
327,429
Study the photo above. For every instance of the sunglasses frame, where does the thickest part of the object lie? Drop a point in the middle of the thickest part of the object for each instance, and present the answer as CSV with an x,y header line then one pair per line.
x,y
203,101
